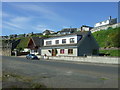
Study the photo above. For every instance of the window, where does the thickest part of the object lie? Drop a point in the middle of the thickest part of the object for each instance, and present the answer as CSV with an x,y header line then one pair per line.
x,y
63,40
57,41
70,51
48,42
72,40
61,51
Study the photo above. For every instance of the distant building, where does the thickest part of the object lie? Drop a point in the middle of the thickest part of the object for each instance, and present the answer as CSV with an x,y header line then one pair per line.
x,y
85,28
47,32
8,46
4,37
67,31
110,21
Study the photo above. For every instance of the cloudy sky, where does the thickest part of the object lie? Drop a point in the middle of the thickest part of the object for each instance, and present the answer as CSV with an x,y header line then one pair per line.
x,y
27,17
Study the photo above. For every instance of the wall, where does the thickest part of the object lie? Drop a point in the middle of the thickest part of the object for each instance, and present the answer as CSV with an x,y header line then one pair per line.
x,y
105,27
88,59
106,22
87,46
102,23
45,51
6,52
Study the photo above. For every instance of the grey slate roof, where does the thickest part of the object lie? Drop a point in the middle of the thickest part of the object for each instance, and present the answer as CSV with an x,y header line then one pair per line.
x,y
38,41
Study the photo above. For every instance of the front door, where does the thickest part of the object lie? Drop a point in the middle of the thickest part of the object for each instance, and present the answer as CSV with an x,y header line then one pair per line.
x,y
53,52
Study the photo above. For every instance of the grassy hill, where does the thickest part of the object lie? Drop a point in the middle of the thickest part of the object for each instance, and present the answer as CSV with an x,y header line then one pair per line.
x,y
108,38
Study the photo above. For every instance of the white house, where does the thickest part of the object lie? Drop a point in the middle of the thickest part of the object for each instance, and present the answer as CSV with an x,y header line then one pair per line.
x,y
110,21
85,28
82,43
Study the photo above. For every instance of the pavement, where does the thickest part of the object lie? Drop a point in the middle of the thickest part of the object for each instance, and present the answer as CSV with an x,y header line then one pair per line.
x,y
55,74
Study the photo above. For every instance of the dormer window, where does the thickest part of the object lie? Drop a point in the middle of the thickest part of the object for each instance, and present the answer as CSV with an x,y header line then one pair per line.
x,y
48,42
63,40
72,40
56,41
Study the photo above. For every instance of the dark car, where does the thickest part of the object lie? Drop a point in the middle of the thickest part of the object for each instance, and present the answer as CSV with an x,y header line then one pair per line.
x,y
31,56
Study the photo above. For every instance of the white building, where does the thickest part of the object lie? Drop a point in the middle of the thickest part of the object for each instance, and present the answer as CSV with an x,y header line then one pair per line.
x,y
110,21
85,28
82,43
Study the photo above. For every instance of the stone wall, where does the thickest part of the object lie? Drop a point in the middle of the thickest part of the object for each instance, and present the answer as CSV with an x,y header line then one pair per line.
x,y
105,27
88,59
6,52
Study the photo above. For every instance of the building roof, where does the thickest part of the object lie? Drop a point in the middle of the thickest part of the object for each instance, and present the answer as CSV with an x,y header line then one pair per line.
x,y
68,29
76,33
38,41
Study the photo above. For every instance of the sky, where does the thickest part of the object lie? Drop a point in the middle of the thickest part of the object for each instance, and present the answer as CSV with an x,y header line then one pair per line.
x,y
27,17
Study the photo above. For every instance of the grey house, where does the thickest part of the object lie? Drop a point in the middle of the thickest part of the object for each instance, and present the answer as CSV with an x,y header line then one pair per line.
x,y
77,44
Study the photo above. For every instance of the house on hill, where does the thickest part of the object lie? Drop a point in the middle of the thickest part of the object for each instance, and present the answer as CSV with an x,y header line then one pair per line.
x,y
106,25
85,28
67,31
77,44
109,21
47,32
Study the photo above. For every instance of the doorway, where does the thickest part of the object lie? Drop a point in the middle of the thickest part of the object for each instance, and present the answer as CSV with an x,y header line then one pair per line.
x,y
54,52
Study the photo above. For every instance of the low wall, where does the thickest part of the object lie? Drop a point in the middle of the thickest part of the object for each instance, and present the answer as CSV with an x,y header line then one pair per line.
x,y
90,59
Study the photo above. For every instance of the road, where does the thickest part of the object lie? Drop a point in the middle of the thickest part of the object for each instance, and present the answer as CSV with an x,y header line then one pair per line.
x,y
64,74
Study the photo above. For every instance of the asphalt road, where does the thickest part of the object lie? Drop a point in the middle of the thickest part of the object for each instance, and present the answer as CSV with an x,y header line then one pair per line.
x,y
64,74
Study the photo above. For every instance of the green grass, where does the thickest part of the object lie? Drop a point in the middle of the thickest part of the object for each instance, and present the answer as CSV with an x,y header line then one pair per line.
x,y
111,52
108,38
103,78
23,43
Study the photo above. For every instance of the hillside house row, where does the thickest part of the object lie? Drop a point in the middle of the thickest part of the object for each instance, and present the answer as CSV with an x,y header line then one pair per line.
x,y
78,44
75,44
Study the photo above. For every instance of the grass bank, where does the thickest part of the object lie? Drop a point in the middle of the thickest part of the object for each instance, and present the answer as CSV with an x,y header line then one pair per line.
x,y
111,52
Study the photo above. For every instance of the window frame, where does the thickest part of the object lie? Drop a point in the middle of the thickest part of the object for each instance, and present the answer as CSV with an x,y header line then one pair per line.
x,y
72,40
50,43
62,51
64,41
56,41
70,51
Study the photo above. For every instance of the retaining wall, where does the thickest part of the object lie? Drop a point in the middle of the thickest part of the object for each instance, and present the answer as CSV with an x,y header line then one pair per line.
x,y
90,59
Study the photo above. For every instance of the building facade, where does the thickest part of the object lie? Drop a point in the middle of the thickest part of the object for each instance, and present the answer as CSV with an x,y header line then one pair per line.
x,y
70,45
110,21
85,28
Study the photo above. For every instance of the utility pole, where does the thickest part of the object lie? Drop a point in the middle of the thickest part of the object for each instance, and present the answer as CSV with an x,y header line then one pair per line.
x,y
70,29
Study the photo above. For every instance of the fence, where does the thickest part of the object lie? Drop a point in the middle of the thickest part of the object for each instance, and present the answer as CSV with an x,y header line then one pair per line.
x,y
90,59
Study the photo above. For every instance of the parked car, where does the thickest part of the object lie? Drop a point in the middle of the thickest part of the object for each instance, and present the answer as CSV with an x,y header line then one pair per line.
x,y
31,56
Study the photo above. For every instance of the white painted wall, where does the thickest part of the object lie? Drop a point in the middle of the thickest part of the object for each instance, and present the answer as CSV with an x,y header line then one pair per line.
x,y
105,27
88,59
102,23
45,51
109,21
60,39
